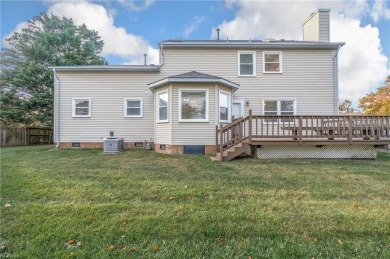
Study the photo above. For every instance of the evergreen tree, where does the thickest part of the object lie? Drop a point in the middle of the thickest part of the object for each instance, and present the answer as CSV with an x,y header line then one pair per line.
x,y
26,80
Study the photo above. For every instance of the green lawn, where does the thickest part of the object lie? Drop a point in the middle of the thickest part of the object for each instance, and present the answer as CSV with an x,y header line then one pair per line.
x,y
140,204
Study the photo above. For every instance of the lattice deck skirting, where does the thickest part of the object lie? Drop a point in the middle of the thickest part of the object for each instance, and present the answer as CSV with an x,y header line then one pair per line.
x,y
321,152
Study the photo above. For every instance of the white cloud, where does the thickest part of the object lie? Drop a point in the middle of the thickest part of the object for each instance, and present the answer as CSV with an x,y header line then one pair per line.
x,y
380,10
117,41
136,6
362,64
194,26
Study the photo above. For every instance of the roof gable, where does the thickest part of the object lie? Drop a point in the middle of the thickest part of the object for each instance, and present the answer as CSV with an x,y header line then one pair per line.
x,y
193,77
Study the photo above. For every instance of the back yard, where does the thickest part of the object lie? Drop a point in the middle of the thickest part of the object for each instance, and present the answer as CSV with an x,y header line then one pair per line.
x,y
136,204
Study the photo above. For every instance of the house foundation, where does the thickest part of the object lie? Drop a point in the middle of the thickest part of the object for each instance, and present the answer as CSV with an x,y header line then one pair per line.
x,y
127,145
180,149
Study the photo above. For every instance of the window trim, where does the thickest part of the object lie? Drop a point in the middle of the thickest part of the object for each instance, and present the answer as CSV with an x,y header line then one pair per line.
x,y
229,106
239,63
74,115
181,90
241,102
280,62
125,107
158,106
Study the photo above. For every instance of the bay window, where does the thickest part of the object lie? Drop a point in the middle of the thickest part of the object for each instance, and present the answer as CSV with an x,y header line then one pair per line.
x,y
162,106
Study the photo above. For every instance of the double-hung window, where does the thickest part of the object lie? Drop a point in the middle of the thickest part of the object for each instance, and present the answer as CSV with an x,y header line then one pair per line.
x,y
247,63
162,106
224,106
81,107
193,105
272,62
133,107
279,107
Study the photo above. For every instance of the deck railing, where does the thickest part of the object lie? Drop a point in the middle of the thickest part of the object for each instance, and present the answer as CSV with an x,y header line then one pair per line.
x,y
301,128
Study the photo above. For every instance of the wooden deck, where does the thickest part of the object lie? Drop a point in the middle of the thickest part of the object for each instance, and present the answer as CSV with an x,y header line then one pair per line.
x,y
257,130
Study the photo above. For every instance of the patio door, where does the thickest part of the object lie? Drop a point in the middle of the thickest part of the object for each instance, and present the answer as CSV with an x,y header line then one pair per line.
x,y
238,109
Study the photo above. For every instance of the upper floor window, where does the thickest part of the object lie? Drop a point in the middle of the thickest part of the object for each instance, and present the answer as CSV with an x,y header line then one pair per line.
x,y
81,107
133,107
224,106
247,63
162,106
272,62
193,105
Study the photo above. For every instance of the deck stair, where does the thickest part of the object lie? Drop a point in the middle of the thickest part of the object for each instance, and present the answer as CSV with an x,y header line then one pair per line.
x,y
234,151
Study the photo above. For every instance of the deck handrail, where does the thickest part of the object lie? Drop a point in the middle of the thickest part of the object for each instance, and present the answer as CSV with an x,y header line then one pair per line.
x,y
301,128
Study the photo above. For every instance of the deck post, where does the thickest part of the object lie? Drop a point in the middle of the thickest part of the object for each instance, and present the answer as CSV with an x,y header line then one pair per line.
x,y
300,129
221,143
350,129
216,138
250,127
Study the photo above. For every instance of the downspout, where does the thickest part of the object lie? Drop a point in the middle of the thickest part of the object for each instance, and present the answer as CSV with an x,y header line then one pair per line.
x,y
57,106
336,82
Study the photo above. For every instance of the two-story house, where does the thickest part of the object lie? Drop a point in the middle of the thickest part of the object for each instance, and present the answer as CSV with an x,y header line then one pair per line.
x,y
198,84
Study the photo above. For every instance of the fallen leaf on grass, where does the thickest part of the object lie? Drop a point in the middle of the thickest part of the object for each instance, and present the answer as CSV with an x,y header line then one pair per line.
x,y
155,248
120,247
240,245
341,242
8,204
111,247
133,248
221,241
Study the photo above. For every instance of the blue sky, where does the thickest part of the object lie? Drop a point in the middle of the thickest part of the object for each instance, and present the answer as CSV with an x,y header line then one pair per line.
x,y
132,28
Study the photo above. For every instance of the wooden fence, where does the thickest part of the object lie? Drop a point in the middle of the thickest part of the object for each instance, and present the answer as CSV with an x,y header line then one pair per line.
x,y
26,136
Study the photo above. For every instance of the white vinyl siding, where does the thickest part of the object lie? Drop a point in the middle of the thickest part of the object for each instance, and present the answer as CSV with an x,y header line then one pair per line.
x,y
247,63
81,107
106,91
272,62
194,133
224,106
307,75
133,107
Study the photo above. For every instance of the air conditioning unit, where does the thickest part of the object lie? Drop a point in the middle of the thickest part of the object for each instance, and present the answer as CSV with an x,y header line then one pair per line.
x,y
113,145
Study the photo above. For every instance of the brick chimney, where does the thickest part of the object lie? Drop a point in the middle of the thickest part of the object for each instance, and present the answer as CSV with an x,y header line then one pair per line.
x,y
316,27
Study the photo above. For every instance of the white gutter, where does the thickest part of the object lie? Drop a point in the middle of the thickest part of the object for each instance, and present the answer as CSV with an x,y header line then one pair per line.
x,y
57,109
336,82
